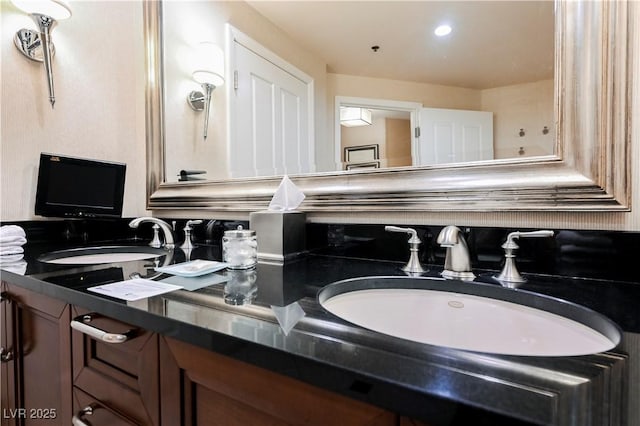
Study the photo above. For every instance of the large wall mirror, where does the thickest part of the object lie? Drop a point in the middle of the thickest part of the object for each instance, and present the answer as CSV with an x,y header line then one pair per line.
x,y
564,147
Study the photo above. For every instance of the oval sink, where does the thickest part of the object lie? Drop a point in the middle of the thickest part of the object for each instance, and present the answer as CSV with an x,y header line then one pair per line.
x,y
104,254
470,316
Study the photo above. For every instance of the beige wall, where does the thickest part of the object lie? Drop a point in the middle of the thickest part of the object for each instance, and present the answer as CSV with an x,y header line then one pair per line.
x,y
524,106
99,112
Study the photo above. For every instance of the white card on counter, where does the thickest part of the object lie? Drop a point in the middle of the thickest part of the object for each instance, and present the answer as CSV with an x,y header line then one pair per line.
x,y
135,289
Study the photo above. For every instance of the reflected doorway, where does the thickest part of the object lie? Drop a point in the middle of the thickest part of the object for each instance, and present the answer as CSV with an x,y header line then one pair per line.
x,y
384,137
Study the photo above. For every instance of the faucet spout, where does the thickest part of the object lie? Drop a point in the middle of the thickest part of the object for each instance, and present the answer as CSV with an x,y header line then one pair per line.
x,y
169,241
457,264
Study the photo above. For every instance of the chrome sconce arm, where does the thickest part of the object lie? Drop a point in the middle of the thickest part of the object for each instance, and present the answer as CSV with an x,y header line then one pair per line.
x,y
202,101
38,47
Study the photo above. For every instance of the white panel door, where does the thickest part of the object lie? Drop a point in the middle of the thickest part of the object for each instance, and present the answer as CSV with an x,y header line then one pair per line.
x,y
270,115
453,136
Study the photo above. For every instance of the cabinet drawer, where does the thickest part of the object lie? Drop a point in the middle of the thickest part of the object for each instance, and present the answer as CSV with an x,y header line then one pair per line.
x,y
122,376
90,411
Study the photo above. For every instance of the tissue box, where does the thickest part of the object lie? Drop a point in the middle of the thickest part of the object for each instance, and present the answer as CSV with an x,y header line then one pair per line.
x,y
281,234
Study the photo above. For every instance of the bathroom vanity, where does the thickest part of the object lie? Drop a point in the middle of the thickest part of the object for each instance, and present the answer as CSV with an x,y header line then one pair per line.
x,y
191,357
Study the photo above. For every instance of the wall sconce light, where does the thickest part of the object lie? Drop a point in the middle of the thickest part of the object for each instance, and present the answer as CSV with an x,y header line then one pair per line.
x,y
38,47
355,116
210,74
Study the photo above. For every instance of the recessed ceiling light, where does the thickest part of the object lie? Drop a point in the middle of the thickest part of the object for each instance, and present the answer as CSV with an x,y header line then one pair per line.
x,y
442,30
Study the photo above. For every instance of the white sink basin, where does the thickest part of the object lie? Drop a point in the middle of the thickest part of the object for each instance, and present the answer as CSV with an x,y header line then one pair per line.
x,y
470,316
105,254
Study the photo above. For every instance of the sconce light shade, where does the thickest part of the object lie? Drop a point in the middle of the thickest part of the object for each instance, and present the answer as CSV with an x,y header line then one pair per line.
x,y
56,9
355,116
209,64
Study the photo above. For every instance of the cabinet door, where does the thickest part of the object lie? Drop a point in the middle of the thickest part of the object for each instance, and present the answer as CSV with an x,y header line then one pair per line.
x,y
204,388
36,367
122,376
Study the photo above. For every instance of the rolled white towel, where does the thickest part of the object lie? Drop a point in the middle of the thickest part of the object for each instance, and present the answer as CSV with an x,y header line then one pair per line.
x,y
8,250
11,231
17,266
13,241
12,235
9,259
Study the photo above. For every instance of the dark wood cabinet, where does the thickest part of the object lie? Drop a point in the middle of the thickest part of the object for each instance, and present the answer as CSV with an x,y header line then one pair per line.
x,y
36,358
203,388
122,377
53,374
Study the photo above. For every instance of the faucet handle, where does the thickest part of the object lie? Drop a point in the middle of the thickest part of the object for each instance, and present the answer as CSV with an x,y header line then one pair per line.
x,y
156,242
188,244
509,274
192,222
413,266
414,235
511,244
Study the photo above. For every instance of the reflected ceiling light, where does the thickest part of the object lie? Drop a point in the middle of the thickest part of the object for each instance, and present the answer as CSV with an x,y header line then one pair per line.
x,y
209,73
442,30
355,116
38,47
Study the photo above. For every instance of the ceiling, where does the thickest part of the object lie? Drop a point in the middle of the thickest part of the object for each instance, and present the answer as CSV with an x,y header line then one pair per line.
x,y
493,43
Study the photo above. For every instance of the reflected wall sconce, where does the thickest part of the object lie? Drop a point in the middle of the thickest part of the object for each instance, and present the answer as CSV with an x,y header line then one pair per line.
x,y
38,47
355,116
209,73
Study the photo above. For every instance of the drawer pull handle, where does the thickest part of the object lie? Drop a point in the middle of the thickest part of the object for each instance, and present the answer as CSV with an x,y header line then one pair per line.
x,y
80,323
77,420
6,355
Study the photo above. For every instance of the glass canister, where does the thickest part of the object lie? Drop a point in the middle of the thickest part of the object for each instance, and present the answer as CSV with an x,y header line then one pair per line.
x,y
240,248
241,289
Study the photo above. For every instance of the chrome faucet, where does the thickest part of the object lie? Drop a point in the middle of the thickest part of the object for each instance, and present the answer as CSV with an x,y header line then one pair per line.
x,y
169,241
413,266
457,264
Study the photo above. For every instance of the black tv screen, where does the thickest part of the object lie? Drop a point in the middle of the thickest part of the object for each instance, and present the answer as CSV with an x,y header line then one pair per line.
x,y
78,187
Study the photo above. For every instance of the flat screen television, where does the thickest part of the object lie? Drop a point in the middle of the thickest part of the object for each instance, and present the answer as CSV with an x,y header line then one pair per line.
x,y
79,187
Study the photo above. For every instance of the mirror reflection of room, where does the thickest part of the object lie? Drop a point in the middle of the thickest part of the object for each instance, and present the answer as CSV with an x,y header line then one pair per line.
x,y
382,141
484,91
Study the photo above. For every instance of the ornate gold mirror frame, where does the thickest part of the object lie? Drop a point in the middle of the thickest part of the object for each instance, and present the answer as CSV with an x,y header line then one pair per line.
x,y
590,172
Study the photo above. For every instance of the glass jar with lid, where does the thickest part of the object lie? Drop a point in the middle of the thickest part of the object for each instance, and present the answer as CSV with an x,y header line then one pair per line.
x,y
240,248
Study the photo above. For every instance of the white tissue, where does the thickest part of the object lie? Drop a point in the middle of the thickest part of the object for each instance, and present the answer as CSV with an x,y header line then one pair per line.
x,y
288,316
287,197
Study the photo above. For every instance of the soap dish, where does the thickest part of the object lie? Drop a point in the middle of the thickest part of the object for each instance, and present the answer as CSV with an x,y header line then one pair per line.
x,y
193,268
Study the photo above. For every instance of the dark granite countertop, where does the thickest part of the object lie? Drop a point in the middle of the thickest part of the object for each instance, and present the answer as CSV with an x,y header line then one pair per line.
x,y
443,386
